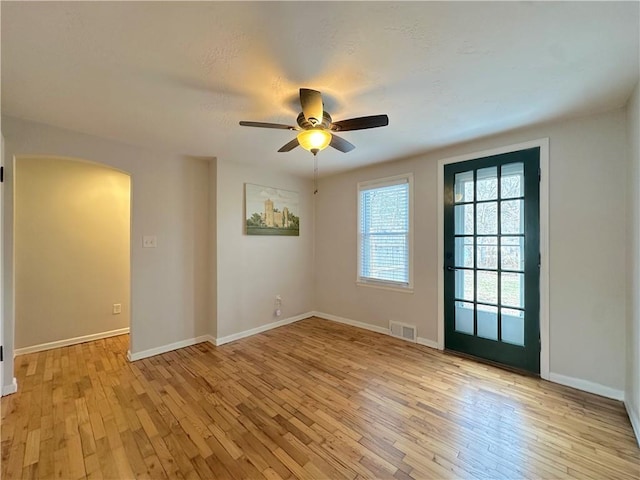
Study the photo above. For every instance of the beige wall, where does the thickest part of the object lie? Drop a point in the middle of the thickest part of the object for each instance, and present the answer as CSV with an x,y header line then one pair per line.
x,y
632,388
587,245
169,297
252,270
212,324
195,207
71,249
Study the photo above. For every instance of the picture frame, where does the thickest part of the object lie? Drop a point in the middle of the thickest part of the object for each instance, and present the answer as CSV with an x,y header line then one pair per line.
x,y
271,211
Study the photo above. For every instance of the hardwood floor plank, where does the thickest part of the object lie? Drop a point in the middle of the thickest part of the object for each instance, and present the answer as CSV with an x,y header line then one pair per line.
x,y
312,400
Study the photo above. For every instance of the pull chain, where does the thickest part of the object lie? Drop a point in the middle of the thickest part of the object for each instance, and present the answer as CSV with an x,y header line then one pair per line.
x,y
315,174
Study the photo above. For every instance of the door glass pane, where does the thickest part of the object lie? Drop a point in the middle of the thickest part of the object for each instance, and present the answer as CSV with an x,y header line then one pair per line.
x,y
463,190
464,252
512,180
512,289
512,253
487,252
463,219
464,284
487,183
512,217
488,322
512,326
464,317
487,218
487,286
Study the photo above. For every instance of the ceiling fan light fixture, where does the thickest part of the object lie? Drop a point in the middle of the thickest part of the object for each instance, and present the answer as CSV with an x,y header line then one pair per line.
x,y
314,139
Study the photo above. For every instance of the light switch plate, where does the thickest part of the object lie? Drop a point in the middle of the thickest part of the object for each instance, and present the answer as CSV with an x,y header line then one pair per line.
x,y
149,241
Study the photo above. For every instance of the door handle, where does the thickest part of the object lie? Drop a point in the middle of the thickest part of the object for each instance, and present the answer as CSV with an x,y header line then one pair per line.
x,y
451,269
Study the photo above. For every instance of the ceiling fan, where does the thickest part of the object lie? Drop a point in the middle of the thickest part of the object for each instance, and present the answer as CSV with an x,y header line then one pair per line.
x,y
317,128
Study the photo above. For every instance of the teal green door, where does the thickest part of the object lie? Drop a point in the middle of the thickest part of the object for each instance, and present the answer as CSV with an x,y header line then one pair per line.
x,y
492,258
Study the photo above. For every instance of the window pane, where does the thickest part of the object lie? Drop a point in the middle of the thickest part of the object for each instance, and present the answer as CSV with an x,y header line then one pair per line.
x,y
464,317
487,218
512,326
464,252
385,258
512,180
463,219
464,284
512,217
487,252
488,322
385,209
487,183
512,253
512,289
463,190
487,287
384,233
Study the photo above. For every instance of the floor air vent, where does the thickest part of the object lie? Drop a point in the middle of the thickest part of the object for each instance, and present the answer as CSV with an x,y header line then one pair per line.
x,y
402,330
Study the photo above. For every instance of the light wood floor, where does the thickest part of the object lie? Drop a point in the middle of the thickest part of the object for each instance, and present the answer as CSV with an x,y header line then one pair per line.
x,y
314,399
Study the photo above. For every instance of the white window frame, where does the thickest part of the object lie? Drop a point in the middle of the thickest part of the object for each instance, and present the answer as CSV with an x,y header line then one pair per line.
x,y
386,284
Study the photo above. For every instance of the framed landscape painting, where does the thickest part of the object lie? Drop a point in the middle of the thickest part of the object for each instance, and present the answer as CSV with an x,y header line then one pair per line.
x,y
271,211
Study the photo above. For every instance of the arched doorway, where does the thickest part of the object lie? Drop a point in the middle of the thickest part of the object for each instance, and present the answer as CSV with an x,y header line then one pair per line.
x,y
71,252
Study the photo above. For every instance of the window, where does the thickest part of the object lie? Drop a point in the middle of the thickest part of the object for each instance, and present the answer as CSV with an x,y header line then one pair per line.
x,y
385,210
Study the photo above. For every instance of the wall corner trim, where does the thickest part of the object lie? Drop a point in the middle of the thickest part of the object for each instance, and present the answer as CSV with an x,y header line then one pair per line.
x,y
634,418
70,341
269,326
11,388
587,386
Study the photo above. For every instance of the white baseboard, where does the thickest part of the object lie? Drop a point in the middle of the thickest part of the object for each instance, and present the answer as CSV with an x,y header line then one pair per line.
x,y
428,343
587,386
214,341
168,348
353,323
70,341
263,328
635,420
373,328
9,389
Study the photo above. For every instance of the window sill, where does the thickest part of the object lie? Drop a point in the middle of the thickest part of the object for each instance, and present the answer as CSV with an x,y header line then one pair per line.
x,y
383,286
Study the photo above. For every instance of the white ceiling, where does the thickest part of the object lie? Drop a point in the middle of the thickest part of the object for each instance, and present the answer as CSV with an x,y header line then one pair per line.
x,y
180,76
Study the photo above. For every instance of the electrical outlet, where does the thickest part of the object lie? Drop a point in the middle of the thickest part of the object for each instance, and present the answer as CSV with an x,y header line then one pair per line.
x,y
149,241
117,309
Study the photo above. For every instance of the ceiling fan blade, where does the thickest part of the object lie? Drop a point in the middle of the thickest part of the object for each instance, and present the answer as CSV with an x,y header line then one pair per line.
x,y
341,144
312,107
290,146
267,125
360,123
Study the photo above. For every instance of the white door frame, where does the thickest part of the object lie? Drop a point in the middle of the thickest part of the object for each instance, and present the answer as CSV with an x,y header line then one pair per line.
x,y
2,364
543,143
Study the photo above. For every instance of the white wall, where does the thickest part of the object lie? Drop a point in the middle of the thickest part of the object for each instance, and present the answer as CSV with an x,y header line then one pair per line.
x,y
587,245
169,298
71,249
632,388
252,270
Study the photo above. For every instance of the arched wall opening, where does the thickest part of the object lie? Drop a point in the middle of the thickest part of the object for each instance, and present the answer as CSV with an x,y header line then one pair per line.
x,y
72,252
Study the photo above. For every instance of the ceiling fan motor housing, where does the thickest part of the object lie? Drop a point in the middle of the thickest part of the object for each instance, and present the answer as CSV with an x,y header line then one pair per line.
x,y
306,124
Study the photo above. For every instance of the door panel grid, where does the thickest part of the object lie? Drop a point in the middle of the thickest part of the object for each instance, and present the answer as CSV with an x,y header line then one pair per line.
x,y
491,240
